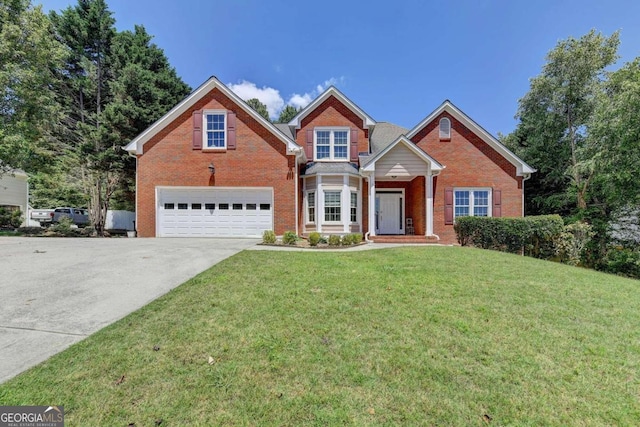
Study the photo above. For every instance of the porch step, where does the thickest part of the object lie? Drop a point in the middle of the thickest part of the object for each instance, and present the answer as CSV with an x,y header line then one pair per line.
x,y
404,239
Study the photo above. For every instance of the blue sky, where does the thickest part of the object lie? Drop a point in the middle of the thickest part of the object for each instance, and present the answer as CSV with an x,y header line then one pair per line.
x,y
398,60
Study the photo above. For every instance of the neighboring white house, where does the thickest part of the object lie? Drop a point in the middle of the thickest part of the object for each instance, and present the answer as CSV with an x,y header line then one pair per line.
x,y
14,192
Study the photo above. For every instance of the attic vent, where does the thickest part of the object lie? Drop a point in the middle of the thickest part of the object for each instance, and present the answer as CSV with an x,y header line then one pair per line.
x,y
445,128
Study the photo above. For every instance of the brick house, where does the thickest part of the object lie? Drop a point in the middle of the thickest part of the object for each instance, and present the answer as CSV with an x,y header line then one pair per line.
x,y
213,167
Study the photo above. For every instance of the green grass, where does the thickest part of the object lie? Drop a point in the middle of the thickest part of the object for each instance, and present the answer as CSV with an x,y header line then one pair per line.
x,y
406,336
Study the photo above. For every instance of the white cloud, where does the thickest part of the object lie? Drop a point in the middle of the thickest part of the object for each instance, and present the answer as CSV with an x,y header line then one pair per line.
x,y
267,95
301,101
272,99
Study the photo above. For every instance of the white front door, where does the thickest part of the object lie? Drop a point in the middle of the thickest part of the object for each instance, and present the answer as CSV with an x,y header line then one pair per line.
x,y
389,213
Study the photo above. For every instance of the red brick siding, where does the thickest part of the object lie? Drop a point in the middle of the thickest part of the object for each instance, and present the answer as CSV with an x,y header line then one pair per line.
x,y
332,112
259,160
470,162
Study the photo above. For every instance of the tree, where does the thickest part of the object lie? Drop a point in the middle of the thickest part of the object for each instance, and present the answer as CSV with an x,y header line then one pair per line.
x,y
615,137
114,85
259,107
88,29
554,117
29,55
144,86
288,113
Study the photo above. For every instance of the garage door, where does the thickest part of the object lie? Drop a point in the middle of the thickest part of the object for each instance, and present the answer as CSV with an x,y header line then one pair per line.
x,y
214,212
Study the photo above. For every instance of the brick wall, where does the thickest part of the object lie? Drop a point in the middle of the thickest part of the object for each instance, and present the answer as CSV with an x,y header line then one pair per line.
x,y
470,162
332,112
259,160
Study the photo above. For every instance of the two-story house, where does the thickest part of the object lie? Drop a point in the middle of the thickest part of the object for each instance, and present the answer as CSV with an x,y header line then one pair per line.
x,y
213,167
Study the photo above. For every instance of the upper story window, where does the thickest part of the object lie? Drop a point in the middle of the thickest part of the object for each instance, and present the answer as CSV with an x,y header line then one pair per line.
x,y
332,144
445,128
215,129
471,202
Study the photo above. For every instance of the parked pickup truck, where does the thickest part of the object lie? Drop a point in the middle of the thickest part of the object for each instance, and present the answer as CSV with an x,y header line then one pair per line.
x,y
79,216
43,216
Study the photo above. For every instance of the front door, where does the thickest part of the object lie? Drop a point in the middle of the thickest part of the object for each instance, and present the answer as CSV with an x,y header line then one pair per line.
x,y
389,213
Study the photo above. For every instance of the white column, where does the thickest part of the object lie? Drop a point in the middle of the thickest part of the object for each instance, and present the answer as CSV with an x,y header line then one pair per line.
x,y
319,204
429,199
372,203
345,204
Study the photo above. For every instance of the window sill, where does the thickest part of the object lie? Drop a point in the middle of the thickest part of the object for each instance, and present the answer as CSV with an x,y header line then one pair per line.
x,y
215,149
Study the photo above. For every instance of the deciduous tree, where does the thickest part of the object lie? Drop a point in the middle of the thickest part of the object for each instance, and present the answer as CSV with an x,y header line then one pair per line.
x,y
29,58
554,118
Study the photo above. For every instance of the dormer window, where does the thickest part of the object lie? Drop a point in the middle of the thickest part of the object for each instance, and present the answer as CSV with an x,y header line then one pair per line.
x,y
445,128
331,144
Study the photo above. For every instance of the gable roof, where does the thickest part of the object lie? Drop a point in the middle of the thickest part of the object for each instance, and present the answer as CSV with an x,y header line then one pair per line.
x,y
137,144
332,91
522,168
434,165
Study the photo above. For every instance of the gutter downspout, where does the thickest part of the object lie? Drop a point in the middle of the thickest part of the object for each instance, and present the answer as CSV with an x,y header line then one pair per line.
x,y
524,178
298,153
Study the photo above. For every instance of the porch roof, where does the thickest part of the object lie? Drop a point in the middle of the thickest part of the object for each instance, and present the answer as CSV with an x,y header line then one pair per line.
x,y
330,168
434,166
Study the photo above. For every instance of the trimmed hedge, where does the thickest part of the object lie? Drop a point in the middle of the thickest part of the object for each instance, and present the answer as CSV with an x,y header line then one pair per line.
x,y
533,235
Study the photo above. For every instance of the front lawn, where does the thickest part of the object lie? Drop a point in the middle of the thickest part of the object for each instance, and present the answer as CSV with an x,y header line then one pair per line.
x,y
406,336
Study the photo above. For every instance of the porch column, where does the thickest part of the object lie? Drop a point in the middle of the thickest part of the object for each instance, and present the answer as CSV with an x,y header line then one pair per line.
x,y
372,203
346,205
319,204
428,184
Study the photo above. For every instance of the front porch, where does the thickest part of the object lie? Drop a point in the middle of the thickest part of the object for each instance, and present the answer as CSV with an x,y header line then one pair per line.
x,y
400,182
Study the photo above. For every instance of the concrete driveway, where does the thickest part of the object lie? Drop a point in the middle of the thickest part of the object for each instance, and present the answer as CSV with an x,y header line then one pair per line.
x,y
56,291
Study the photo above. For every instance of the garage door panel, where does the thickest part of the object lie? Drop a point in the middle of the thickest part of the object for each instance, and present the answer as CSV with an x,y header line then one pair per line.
x,y
207,212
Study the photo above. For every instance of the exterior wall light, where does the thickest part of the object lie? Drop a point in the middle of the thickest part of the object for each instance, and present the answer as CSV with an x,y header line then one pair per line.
x,y
212,169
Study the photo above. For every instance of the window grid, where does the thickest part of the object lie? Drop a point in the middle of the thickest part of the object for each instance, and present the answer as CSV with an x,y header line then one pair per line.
x,y
332,206
215,130
311,206
471,202
354,207
332,144
323,144
340,144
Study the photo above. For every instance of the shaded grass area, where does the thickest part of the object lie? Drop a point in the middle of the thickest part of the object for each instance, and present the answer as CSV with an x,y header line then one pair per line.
x,y
405,336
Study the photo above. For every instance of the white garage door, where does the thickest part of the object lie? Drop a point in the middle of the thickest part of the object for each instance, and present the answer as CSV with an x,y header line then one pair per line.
x,y
214,212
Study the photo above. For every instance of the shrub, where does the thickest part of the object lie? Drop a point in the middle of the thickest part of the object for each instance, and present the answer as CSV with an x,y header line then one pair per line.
x,y
347,240
268,237
623,261
63,225
314,238
334,240
30,231
357,238
10,218
289,238
534,236
571,242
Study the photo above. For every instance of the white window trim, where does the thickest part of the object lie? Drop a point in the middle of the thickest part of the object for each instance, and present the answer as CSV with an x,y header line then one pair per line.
x,y
471,199
331,131
206,113
308,219
351,193
444,135
324,206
